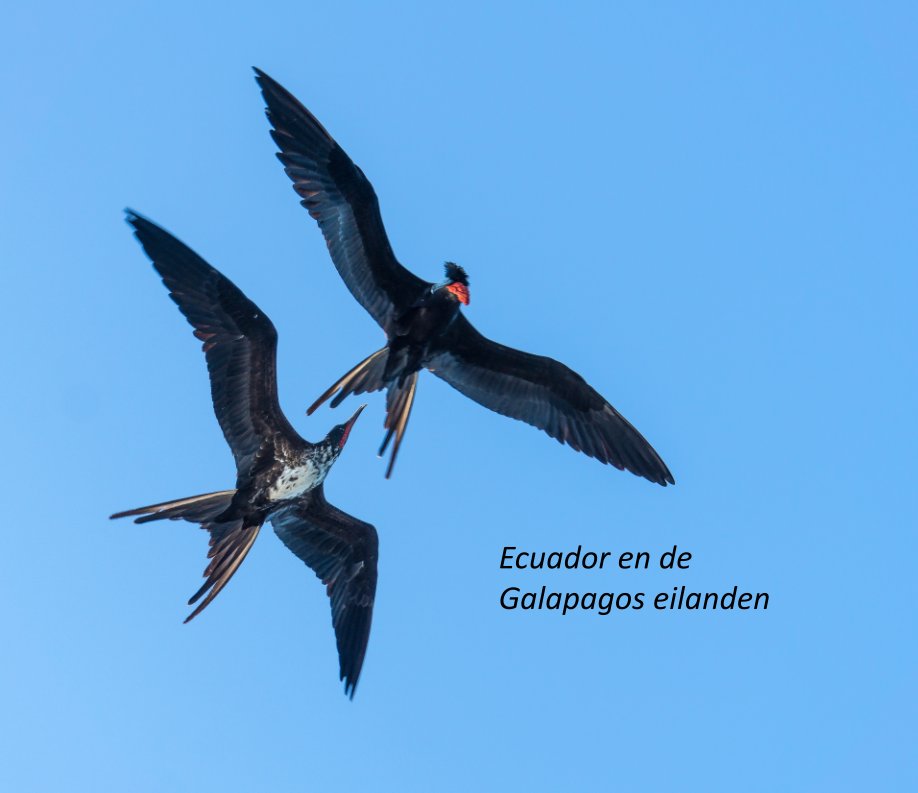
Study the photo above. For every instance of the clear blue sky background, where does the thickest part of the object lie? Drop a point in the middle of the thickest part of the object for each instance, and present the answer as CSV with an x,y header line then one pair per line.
x,y
707,209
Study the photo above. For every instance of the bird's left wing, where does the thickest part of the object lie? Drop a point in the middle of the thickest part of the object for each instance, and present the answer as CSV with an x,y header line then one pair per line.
x,y
343,201
239,341
342,551
545,393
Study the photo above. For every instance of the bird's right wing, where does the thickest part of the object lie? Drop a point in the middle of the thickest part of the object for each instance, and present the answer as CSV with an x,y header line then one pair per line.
x,y
546,394
342,551
343,201
240,342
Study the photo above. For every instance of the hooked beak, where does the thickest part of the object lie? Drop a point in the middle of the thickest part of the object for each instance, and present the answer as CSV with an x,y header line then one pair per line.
x,y
350,425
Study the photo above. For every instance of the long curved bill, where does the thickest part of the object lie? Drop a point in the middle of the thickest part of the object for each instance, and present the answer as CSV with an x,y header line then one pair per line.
x,y
349,424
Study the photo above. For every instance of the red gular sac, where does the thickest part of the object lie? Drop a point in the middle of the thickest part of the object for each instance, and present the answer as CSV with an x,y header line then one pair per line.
x,y
461,291
349,426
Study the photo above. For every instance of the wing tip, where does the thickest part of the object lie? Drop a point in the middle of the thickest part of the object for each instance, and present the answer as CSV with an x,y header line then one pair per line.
x,y
662,479
263,78
282,107
134,219
350,675
350,687
145,229
659,474
662,475
269,85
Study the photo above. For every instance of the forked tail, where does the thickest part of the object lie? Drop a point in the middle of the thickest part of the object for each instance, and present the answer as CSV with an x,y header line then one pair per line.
x,y
399,399
365,377
230,541
370,375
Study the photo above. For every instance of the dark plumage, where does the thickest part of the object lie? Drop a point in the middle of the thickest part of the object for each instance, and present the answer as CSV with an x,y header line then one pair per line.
x,y
424,326
456,274
279,475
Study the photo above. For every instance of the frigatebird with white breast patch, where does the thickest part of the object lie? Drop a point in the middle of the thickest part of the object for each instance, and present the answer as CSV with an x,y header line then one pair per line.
x,y
279,474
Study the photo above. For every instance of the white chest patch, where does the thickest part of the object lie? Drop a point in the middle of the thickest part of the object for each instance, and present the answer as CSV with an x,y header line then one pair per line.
x,y
295,481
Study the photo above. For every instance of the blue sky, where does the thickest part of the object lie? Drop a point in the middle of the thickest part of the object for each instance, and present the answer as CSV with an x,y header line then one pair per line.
x,y
708,210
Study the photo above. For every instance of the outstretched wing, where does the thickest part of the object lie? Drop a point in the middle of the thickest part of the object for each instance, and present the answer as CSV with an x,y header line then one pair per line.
x,y
546,394
240,342
343,201
342,551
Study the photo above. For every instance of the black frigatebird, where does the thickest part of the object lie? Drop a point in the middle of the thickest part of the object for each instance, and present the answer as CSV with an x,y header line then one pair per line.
x,y
424,326
279,476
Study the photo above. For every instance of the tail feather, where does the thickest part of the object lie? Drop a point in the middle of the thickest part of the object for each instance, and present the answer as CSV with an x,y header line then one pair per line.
x,y
365,377
230,541
228,553
195,509
399,400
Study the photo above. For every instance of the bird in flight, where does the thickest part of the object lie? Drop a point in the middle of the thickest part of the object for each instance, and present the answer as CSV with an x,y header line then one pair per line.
x,y
423,322
279,476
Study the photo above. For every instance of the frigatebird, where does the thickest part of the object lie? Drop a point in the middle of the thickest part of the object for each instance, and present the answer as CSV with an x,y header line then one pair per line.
x,y
279,476
424,326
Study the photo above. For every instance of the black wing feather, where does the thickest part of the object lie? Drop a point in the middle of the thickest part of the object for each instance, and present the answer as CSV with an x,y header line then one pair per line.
x,y
545,393
342,551
343,201
240,342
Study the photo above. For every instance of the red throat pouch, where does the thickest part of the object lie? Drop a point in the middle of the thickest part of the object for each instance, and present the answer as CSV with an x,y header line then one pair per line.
x,y
461,291
347,431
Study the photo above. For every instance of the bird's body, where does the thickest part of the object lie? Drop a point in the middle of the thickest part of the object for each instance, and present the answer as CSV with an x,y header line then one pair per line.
x,y
418,333
423,322
297,475
422,325
279,475
286,468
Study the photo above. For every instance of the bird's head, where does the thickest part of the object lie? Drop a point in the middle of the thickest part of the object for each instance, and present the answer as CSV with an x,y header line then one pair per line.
x,y
338,435
456,283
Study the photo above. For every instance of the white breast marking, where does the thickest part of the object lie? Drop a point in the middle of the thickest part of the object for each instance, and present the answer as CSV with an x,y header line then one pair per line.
x,y
295,481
